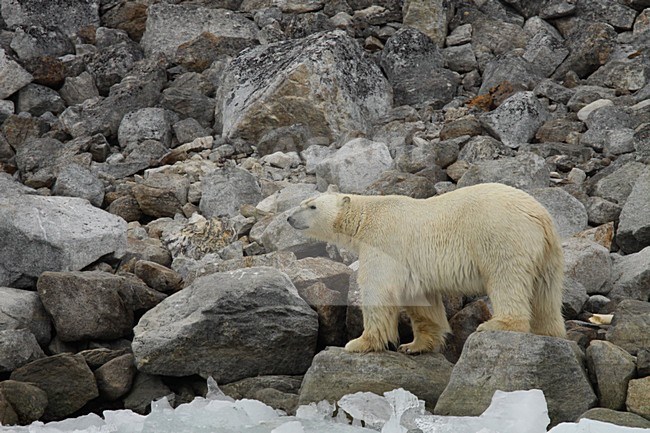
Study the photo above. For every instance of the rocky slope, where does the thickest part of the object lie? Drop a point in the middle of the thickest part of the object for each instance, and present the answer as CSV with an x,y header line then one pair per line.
x,y
150,150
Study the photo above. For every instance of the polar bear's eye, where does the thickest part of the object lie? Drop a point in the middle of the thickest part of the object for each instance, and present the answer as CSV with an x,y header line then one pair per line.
x,y
313,206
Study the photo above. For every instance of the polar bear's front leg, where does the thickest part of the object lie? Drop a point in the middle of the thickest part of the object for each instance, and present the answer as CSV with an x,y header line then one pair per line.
x,y
379,329
430,325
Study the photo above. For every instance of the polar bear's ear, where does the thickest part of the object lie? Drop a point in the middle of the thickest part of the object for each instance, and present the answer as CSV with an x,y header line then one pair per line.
x,y
346,200
332,188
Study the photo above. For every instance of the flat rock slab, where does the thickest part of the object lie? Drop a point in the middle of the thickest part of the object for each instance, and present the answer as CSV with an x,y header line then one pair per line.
x,y
169,26
229,325
323,82
335,373
510,361
54,234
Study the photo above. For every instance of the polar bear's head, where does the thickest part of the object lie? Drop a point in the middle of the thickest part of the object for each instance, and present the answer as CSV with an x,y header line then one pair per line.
x,y
317,216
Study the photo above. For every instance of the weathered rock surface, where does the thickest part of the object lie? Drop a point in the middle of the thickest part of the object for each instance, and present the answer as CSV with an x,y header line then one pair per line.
x,y
524,171
224,191
27,400
12,76
17,348
626,419
569,214
71,233
335,373
630,327
550,364
21,309
259,94
637,397
631,276
633,232
69,16
588,263
613,368
248,322
114,378
65,378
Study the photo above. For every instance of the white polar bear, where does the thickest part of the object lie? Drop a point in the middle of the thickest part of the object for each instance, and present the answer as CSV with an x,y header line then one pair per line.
x,y
488,238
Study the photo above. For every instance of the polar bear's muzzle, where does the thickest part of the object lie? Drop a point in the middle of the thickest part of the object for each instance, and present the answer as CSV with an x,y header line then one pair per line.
x,y
296,224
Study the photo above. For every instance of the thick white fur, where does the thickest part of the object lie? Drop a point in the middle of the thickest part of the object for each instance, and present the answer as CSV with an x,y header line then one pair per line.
x,y
487,238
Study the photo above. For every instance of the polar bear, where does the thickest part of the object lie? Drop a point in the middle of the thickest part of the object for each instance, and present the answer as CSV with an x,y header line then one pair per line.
x,y
484,239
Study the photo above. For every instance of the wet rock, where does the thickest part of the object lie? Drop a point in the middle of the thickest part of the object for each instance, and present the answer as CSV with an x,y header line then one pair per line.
x,y
114,379
348,95
21,309
517,119
256,311
631,276
630,328
633,232
28,401
103,307
225,190
354,166
569,214
66,379
612,368
335,373
415,69
550,364
170,25
626,419
71,232
524,171
17,348
637,397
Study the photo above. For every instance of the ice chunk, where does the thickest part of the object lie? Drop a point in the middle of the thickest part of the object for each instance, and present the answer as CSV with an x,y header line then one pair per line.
x,y
509,412
592,426
374,410
403,404
214,393
317,411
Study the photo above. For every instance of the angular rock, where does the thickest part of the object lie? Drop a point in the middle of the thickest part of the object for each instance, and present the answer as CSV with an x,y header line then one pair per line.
x,y
28,401
74,180
588,263
631,276
77,89
393,182
17,348
590,46
569,214
553,91
95,358
170,25
482,148
70,16
510,361
37,100
335,373
66,379
114,379
248,322
630,328
612,368
633,232
574,298
259,93
626,419
638,397
199,53
614,14
430,17
146,124
54,233
36,41
415,69
21,309
146,388
157,202
617,185
225,190
356,165
128,16
623,75
609,118
601,211
112,63
103,307
545,53
12,76
517,119
460,58
158,277
508,73
525,171
463,324
288,197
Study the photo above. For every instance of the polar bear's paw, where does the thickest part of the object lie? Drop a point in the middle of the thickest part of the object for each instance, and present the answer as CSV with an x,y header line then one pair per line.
x,y
363,345
505,324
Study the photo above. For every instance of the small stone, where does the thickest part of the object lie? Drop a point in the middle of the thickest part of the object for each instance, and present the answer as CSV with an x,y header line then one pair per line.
x,y
460,35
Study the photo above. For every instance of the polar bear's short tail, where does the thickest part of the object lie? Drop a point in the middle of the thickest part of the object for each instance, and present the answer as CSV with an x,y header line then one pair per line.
x,y
549,285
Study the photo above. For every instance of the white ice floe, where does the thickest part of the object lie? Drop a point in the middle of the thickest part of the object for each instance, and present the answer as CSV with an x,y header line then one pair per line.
x,y
396,411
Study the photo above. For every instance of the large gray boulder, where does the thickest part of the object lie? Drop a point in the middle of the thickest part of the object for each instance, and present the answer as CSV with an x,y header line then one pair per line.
x,y
104,303
279,235
612,368
229,325
354,166
510,361
22,309
569,214
588,263
517,119
225,190
17,348
54,234
171,25
631,276
335,373
12,76
323,82
430,17
630,328
633,232
524,171
149,123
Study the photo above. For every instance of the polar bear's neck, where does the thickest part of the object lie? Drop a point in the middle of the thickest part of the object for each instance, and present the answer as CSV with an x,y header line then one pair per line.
x,y
357,224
